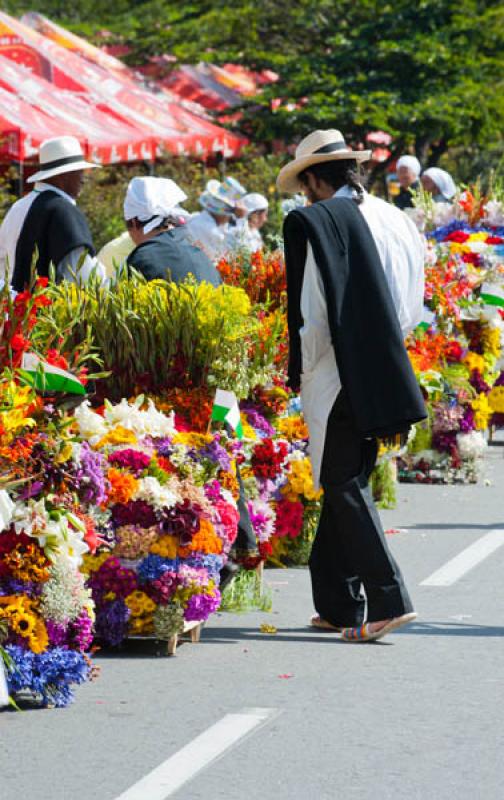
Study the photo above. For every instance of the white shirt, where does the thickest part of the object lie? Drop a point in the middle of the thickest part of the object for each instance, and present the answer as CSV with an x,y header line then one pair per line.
x,y
203,231
402,251
10,231
243,237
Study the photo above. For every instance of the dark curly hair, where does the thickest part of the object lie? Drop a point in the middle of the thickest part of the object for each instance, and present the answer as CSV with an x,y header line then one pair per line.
x,y
338,173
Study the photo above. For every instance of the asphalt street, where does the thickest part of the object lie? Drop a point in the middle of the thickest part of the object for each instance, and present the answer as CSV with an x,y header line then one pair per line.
x,y
417,716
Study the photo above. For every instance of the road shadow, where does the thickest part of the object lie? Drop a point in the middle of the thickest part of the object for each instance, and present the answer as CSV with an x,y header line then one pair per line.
x,y
459,526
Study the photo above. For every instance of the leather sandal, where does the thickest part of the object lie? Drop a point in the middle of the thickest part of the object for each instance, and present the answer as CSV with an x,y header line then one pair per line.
x,y
364,634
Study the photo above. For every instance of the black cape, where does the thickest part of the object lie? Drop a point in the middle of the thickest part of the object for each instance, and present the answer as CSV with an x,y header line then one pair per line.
x,y
55,227
374,367
170,256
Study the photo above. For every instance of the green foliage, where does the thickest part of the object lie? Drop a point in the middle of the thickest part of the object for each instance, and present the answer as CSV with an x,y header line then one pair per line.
x,y
246,593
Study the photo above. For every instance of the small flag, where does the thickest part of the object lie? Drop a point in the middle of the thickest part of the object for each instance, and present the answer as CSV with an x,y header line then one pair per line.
x,y
4,691
427,319
492,295
226,409
48,378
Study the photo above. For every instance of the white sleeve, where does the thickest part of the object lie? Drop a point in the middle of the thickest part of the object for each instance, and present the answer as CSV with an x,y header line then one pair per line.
x,y
69,270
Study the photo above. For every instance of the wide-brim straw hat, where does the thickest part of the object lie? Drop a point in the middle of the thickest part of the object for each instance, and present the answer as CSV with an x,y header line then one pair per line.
x,y
59,155
317,148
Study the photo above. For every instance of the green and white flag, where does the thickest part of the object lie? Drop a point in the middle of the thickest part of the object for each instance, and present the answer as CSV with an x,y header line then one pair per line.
x,y
427,319
492,295
47,378
226,409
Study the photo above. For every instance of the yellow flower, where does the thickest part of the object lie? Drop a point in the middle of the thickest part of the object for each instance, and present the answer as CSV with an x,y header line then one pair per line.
x,y
117,435
474,361
39,641
478,237
456,247
294,428
192,439
166,546
139,603
92,563
492,341
248,431
23,624
300,482
482,412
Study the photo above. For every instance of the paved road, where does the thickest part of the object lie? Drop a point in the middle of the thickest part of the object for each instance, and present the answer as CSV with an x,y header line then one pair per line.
x,y
416,717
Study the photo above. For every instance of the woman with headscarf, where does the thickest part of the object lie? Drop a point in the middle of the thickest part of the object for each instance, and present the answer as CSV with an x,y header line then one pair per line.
x,y
246,235
408,171
439,183
155,223
211,227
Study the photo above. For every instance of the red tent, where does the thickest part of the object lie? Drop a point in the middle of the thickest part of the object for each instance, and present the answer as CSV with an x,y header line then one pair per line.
x,y
176,129
23,128
108,139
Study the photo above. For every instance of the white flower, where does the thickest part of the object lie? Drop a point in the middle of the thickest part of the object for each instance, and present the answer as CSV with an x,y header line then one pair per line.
x,y
6,509
130,416
158,496
60,534
91,425
64,595
494,213
471,445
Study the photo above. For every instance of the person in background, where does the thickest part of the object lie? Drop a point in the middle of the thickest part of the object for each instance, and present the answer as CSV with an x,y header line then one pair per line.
x,y
439,183
47,220
209,229
355,281
408,171
247,236
156,224
115,253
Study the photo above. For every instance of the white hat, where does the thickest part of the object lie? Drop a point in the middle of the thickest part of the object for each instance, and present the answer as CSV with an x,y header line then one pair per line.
x,y
443,181
152,200
410,162
316,148
254,202
59,155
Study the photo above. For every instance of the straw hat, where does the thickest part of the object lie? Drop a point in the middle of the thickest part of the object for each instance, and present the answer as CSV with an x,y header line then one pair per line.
x,y
316,148
59,155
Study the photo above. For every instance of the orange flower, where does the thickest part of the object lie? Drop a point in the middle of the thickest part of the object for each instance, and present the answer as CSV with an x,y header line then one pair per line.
x,y
122,486
229,482
205,541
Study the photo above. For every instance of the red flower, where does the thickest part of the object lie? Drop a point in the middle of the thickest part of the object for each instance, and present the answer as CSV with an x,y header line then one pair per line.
x,y
18,342
42,282
453,351
457,236
494,240
472,258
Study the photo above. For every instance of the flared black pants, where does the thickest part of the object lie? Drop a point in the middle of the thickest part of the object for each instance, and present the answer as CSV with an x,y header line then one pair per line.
x,y
350,550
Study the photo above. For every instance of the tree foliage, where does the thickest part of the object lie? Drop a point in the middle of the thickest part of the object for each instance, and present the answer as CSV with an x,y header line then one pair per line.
x,y
431,73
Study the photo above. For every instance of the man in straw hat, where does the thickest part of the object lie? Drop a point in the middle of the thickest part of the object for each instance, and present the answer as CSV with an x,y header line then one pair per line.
x,y
47,220
355,287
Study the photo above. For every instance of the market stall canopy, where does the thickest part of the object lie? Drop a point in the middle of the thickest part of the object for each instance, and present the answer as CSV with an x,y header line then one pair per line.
x,y
23,128
175,128
108,139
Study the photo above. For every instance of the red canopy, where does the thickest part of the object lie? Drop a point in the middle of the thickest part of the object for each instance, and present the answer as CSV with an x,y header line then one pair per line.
x,y
23,128
175,129
108,139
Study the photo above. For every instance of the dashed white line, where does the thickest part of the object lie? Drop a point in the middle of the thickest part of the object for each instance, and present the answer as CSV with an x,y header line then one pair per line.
x,y
466,560
173,773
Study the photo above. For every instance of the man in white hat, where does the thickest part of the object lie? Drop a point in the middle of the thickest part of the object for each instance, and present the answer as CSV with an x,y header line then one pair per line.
x,y
156,224
246,234
355,288
439,183
48,221
408,171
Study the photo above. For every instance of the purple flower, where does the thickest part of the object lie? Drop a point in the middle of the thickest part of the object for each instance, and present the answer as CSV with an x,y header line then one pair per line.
x,y
200,606
49,675
57,633
213,490
182,520
30,490
112,622
217,454
90,476
81,631
163,587
467,421
477,382
257,420
152,567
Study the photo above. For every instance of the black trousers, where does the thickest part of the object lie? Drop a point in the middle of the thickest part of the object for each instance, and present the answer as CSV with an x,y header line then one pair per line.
x,y
350,550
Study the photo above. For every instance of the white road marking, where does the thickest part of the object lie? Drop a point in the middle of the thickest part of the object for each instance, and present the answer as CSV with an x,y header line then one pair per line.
x,y
166,779
466,560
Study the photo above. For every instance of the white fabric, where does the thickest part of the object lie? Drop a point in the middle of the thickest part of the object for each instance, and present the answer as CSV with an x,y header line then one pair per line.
x,y
443,181
401,251
114,253
410,162
203,230
243,237
151,197
255,202
68,268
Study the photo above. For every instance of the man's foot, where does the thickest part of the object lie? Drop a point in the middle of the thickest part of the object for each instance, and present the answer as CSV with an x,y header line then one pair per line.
x,y
372,631
322,624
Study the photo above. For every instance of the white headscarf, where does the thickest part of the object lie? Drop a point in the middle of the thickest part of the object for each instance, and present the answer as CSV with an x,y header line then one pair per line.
x,y
152,200
410,162
443,181
254,202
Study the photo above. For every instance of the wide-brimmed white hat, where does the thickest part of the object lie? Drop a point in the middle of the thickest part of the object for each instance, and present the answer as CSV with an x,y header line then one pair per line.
x,y
59,155
316,148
